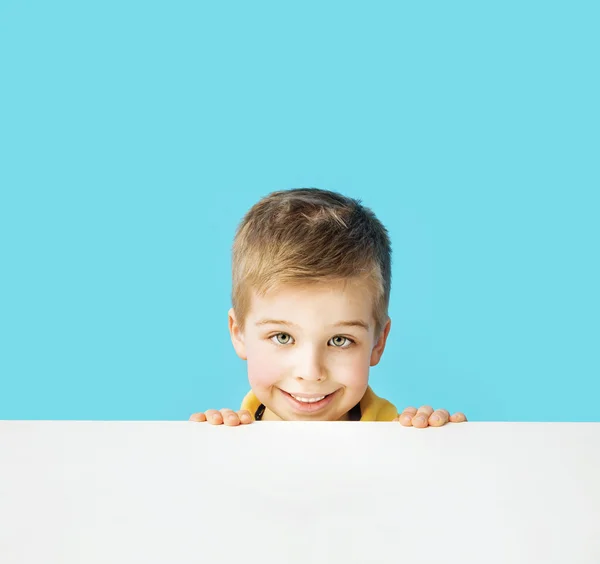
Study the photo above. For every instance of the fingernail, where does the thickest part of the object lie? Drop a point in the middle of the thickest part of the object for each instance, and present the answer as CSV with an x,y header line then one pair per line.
x,y
231,417
419,419
435,419
245,418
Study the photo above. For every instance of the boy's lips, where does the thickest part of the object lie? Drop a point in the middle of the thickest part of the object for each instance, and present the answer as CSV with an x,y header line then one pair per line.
x,y
306,406
307,396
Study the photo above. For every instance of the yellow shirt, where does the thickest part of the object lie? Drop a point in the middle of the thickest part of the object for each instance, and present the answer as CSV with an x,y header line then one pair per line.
x,y
372,407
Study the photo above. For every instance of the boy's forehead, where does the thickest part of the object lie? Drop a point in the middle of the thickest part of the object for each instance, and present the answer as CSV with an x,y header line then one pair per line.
x,y
327,300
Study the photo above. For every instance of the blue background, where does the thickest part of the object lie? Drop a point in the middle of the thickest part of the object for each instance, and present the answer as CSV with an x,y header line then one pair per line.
x,y
135,135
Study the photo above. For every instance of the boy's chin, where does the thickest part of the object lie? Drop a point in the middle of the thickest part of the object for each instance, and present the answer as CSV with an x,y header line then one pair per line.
x,y
307,418
331,413
316,417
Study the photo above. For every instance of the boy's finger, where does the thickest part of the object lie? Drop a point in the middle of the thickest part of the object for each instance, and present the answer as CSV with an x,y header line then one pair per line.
x,y
438,418
229,417
421,419
198,417
458,418
406,416
214,417
245,416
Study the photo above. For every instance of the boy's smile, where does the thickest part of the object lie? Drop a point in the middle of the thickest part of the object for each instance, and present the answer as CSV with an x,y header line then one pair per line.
x,y
313,403
309,349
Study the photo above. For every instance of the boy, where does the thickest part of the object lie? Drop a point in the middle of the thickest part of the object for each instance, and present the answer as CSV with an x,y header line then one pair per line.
x,y
311,287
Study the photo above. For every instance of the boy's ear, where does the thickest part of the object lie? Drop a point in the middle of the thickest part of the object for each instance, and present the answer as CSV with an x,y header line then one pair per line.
x,y
237,337
380,344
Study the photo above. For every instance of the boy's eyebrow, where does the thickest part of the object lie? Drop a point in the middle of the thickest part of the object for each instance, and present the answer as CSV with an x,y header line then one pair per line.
x,y
352,323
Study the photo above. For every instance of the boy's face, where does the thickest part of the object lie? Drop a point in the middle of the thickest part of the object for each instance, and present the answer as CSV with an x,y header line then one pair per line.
x,y
296,345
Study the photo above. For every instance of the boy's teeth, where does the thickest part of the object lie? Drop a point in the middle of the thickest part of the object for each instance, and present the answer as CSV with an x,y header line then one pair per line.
x,y
307,400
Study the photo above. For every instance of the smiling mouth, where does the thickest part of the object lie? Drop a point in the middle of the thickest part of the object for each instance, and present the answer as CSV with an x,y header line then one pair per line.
x,y
309,403
308,400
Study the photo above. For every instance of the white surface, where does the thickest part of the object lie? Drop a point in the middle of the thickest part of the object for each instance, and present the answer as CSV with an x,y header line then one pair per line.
x,y
182,492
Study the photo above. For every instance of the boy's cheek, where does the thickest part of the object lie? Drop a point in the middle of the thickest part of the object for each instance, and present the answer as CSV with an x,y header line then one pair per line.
x,y
262,371
355,380
353,372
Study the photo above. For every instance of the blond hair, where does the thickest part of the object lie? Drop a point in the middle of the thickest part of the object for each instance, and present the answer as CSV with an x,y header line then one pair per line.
x,y
308,235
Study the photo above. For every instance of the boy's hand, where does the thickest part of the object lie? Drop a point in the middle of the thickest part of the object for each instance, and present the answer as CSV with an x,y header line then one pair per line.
x,y
223,417
425,416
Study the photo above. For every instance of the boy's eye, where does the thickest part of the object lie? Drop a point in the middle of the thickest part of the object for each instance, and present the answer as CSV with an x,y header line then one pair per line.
x,y
338,341
282,338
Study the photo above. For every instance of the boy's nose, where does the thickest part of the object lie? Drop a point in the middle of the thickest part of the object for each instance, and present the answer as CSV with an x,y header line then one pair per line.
x,y
310,367
312,374
311,377
312,371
